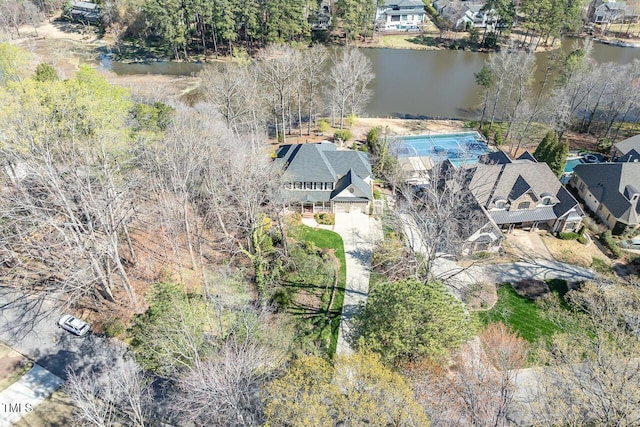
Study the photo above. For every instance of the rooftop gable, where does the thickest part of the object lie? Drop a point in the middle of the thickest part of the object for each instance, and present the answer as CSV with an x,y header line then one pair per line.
x,y
520,187
628,144
351,179
343,161
513,179
608,182
632,155
527,156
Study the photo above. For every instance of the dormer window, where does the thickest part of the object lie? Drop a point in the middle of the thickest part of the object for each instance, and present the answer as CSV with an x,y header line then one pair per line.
x,y
546,199
524,205
500,202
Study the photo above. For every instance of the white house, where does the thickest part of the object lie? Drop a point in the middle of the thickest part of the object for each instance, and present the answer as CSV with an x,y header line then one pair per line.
x,y
400,15
474,16
609,11
464,14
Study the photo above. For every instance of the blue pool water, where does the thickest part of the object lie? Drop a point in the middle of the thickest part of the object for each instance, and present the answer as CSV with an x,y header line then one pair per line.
x,y
572,163
459,148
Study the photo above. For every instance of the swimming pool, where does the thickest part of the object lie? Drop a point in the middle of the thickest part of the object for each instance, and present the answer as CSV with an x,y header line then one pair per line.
x,y
572,163
459,148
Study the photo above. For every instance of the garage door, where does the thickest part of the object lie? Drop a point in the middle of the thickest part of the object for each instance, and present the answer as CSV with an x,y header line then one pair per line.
x,y
341,207
358,207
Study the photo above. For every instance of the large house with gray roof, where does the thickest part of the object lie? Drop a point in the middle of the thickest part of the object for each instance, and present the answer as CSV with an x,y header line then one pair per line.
x,y
611,191
319,178
627,150
400,15
523,194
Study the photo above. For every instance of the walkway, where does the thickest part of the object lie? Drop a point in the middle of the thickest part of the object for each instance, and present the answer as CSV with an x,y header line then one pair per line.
x,y
25,394
359,233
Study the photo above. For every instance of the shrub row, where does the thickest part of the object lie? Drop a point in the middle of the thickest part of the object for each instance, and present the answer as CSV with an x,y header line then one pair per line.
x,y
569,235
607,239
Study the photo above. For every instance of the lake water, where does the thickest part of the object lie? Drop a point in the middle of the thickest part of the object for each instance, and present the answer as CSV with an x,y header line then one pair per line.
x,y
411,83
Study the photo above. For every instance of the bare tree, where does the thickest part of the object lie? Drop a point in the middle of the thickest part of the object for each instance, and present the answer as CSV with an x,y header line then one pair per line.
x,y
348,79
593,377
478,389
313,60
236,94
224,390
276,69
115,394
69,201
439,217
512,72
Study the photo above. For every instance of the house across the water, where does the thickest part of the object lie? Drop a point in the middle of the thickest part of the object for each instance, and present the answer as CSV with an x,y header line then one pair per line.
x,y
85,12
400,15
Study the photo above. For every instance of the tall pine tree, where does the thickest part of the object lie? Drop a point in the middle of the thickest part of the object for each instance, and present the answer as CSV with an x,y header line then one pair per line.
x,y
552,152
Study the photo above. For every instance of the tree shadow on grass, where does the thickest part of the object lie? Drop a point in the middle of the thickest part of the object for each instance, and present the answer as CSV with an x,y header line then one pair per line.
x,y
423,40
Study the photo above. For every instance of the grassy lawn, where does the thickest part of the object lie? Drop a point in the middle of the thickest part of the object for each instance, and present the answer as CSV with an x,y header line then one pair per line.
x,y
327,240
521,314
56,411
406,41
572,251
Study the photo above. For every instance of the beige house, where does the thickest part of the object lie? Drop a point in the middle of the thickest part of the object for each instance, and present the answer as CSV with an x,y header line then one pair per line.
x,y
523,194
611,191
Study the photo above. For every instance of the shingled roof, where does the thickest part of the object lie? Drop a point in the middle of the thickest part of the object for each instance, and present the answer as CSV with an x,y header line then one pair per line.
x,y
322,162
628,144
613,184
510,180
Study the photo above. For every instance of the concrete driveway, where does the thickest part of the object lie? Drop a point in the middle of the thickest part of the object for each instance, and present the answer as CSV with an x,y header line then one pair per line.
x,y
528,246
359,232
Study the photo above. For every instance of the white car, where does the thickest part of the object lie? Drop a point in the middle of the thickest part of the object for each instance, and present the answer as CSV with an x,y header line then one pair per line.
x,y
631,243
73,325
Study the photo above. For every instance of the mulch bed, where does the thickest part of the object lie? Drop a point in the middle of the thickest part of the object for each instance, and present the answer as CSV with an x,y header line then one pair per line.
x,y
531,289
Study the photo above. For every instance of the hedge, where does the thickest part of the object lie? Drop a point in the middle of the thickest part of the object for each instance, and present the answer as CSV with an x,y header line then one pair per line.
x,y
607,239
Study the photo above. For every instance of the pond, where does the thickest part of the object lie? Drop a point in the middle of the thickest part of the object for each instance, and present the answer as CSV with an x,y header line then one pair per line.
x,y
410,83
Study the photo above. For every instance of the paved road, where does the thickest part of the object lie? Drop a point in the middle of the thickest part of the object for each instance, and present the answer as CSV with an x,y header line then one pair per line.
x,y
29,326
358,232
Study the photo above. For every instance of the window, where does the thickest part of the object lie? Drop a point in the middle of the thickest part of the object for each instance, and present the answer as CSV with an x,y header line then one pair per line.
x,y
501,204
524,205
395,18
404,17
581,186
546,201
